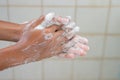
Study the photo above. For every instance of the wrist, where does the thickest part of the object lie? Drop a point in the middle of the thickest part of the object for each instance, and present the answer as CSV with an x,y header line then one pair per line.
x,y
10,31
11,56
18,31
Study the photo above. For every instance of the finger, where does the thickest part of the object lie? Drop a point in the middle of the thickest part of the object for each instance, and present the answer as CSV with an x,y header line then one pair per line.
x,y
67,55
77,51
54,28
62,55
82,46
61,20
82,53
28,25
38,21
60,41
59,33
70,55
81,39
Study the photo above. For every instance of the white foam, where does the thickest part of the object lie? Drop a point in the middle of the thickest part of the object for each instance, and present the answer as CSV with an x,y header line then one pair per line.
x,y
76,29
46,22
48,36
70,25
49,16
69,17
39,27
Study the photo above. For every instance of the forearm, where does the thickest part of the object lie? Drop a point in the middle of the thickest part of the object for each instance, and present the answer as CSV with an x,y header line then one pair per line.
x,y
10,31
11,56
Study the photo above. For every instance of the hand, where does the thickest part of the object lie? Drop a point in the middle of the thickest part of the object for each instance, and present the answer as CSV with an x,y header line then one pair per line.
x,y
79,47
40,44
35,48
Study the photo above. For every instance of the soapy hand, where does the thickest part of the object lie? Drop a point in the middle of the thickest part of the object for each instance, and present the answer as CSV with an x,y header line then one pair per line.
x,y
76,45
40,44
42,39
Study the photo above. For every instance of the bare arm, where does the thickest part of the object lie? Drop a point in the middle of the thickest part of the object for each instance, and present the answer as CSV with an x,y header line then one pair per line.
x,y
32,45
11,56
10,31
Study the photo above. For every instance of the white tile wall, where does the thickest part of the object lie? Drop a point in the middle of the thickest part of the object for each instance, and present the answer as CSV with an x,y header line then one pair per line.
x,y
3,13
25,2
112,47
22,14
3,2
31,71
93,2
91,16
6,74
57,70
111,70
116,2
4,44
58,2
87,69
96,46
114,24
92,20
63,11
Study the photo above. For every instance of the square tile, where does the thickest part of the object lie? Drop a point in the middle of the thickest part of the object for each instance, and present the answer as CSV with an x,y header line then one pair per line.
x,y
93,2
58,2
57,70
3,13
3,2
86,69
6,74
114,24
62,11
22,14
113,46
31,71
4,44
96,46
116,2
92,20
111,70
25,2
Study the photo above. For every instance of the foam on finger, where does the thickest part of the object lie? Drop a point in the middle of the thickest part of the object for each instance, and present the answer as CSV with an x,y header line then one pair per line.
x,y
70,30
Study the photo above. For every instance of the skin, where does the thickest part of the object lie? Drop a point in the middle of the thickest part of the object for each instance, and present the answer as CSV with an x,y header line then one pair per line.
x,y
28,40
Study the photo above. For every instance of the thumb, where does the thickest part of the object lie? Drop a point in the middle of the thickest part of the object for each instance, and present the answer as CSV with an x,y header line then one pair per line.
x,y
38,21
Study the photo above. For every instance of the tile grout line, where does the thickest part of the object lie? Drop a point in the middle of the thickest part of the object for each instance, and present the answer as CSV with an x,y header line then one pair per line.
x,y
105,40
92,58
85,6
43,72
93,6
42,11
8,14
42,65
75,19
75,11
98,34
8,10
107,25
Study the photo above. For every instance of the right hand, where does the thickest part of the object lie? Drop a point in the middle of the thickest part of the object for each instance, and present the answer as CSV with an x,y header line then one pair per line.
x,y
36,47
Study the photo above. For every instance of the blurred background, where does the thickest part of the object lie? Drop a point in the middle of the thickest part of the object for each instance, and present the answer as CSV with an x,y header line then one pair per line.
x,y
99,21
